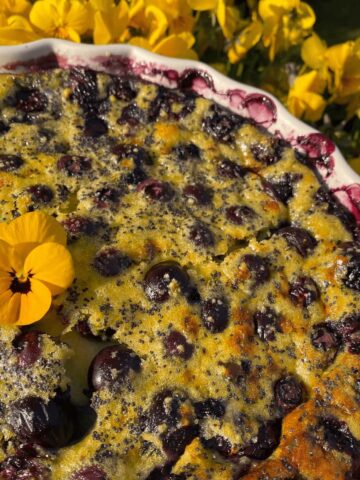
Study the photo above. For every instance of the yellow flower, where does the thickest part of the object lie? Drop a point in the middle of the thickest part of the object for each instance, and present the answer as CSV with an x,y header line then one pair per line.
x,y
16,29
246,40
66,19
304,99
14,7
355,164
34,266
227,15
172,46
339,65
286,23
110,21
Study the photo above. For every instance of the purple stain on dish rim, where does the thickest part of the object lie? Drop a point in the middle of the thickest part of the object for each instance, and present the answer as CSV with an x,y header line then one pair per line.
x,y
257,106
349,196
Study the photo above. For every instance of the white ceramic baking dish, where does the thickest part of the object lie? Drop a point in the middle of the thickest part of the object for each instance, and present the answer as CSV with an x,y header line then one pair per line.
x,y
243,99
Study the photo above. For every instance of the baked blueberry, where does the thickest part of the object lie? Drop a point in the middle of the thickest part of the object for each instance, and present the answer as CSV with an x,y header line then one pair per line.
x,y
160,277
215,314
198,194
41,193
201,235
110,262
303,292
74,165
10,163
300,239
28,347
112,366
289,393
30,100
239,214
228,169
49,424
176,345
90,473
266,324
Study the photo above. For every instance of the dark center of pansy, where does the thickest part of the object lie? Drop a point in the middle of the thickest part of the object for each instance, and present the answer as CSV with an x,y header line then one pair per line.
x,y
20,286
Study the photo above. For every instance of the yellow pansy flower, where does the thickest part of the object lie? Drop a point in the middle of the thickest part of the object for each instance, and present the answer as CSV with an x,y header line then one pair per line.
x,y
34,266
227,15
14,7
246,40
15,30
175,45
286,23
305,99
66,19
110,21
148,19
339,65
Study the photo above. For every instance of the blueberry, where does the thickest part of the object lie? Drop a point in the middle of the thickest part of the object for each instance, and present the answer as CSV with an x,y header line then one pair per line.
x,y
28,348
174,442
3,127
267,439
74,165
324,337
239,214
41,193
237,372
162,104
187,151
221,124
10,163
270,152
338,436
258,268
109,262
107,196
30,100
228,169
76,226
283,187
22,466
349,331
288,393
84,89
132,115
198,194
303,292
90,473
201,235
209,408
112,366
140,155
215,314
122,89
164,410
300,239
47,424
352,275
156,190
266,323
158,279
95,127
219,444
176,345
136,176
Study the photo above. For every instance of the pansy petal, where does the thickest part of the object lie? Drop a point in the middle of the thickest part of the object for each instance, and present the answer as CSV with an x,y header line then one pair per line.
x,y
51,264
35,304
9,308
43,15
175,46
33,227
9,260
202,5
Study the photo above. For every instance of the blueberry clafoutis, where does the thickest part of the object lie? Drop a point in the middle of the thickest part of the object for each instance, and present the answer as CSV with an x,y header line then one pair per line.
x,y
213,327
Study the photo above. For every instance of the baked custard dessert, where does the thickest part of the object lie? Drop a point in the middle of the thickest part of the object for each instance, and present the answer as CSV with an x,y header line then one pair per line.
x,y
213,327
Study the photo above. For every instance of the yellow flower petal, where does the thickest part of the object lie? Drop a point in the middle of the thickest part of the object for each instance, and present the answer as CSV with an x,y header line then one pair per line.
x,y
313,51
247,39
175,46
9,259
140,42
307,16
34,227
202,5
15,30
77,17
157,23
5,281
35,304
9,308
51,264
44,16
